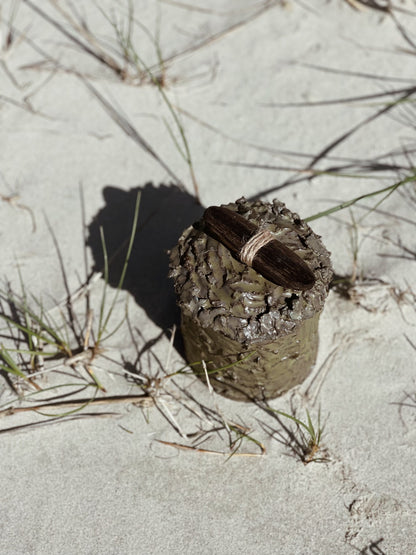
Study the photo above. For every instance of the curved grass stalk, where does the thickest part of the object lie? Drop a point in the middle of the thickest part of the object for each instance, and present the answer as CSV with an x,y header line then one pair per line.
x,y
310,444
388,190
54,338
105,317
81,386
69,412
10,366
183,370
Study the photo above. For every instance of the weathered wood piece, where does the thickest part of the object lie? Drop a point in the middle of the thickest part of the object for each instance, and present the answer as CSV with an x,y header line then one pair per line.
x,y
274,260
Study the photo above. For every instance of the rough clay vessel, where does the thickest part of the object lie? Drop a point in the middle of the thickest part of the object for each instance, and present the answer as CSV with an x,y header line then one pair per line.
x,y
258,339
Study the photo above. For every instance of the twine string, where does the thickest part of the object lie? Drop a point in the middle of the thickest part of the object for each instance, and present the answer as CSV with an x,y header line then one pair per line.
x,y
254,244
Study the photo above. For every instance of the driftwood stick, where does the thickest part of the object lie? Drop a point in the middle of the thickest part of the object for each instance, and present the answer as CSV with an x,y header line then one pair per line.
x,y
268,256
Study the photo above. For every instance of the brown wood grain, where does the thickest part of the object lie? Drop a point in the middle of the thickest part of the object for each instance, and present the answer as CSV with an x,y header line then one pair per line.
x,y
274,261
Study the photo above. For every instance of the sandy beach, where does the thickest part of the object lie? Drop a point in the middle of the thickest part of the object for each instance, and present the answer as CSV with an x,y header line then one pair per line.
x,y
120,123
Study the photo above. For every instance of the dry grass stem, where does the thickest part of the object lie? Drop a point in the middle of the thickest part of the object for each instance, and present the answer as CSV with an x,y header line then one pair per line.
x,y
212,452
138,400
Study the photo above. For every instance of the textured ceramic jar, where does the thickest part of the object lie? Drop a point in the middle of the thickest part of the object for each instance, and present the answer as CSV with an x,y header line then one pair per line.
x,y
258,339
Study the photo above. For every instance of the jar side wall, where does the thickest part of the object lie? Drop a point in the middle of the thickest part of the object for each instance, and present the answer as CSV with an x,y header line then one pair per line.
x,y
272,369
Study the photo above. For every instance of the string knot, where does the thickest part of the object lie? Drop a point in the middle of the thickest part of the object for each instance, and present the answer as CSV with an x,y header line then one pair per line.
x,y
254,244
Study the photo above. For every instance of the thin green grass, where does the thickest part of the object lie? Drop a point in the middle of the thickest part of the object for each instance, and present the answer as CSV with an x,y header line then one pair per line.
x,y
35,328
190,368
310,435
8,364
388,190
344,283
239,435
124,34
105,316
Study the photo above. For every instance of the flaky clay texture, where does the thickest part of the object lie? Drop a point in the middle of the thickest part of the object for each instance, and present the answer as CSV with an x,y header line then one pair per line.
x,y
230,311
229,297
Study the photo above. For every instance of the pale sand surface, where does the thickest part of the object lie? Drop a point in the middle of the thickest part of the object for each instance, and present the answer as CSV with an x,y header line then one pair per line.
x,y
102,485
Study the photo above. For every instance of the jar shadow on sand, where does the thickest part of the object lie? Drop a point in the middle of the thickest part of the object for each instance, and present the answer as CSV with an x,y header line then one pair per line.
x,y
165,211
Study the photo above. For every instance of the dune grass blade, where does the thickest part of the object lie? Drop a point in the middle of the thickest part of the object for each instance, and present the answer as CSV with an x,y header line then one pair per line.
x,y
10,366
183,369
80,385
53,340
112,332
24,309
308,427
69,412
101,56
105,275
311,443
132,238
33,352
389,190
241,435
130,131
186,153
49,324
133,57
226,366
175,140
104,318
46,332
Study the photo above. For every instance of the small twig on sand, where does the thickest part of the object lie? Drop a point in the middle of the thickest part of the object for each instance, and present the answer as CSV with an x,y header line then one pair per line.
x,y
209,451
12,200
142,400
